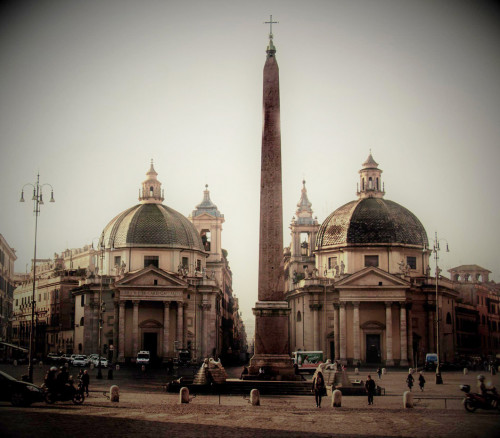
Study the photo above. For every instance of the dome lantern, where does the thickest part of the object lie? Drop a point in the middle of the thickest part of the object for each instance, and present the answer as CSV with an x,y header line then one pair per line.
x,y
370,180
151,192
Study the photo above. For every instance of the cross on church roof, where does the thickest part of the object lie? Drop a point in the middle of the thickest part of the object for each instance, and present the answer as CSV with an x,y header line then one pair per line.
x,y
270,22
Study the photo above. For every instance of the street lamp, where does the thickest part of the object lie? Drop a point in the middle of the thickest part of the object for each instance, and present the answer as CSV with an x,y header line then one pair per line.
x,y
100,311
435,250
37,201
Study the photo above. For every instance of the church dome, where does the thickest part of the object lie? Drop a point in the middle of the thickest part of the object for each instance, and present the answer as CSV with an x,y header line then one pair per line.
x,y
151,223
371,219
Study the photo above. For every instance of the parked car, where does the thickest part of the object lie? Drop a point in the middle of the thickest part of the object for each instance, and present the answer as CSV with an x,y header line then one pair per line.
x,y
66,358
79,361
53,357
17,392
104,362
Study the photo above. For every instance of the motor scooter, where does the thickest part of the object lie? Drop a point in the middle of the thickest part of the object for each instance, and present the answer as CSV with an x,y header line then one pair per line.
x,y
473,401
69,392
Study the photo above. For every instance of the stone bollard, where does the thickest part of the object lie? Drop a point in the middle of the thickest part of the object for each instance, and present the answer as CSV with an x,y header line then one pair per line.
x,y
356,371
407,399
336,399
143,368
184,395
466,371
92,366
114,393
40,364
15,362
117,367
255,397
384,371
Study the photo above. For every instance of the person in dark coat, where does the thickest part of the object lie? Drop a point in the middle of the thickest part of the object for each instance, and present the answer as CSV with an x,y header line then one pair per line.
x,y
85,382
319,388
379,372
370,388
409,381
421,381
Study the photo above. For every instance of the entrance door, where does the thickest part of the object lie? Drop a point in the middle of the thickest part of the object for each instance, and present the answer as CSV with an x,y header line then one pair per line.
x,y
332,351
373,349
150,343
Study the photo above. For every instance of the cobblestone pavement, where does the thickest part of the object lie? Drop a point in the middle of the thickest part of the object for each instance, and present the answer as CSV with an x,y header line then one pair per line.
x,y
145,409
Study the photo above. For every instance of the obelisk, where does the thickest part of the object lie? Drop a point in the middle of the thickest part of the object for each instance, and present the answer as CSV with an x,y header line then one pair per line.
x,y
271,349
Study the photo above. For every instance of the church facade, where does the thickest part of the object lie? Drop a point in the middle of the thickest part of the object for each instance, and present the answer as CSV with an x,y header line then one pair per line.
x,y
359,285
157,281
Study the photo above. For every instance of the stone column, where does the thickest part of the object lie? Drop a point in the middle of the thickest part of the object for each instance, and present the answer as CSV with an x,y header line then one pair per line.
x,y
121,333
180,327
166,326
432,339
315,307
355,331
336,338
135,328
343,334
403,336
409,322
116,315
389,361
206,313
95,323
184,324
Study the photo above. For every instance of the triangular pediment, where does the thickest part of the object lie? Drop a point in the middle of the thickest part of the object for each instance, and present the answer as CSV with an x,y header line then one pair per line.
x,y
372,277
151,276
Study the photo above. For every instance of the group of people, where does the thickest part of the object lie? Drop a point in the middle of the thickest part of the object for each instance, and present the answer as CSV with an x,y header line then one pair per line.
x,y
421,380
57,380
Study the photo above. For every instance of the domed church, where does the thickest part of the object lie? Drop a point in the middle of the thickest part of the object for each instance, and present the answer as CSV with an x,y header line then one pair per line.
x,y
359,284
165,279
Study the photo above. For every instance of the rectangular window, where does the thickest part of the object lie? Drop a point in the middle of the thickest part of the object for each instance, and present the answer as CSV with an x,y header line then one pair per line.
x,y
411,262
371,260
151,260
198,265
332,261
82,301
185,262
118,260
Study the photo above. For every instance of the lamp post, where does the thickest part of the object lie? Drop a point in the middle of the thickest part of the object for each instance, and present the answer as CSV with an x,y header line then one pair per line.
x,y
37,202
100,312
435,250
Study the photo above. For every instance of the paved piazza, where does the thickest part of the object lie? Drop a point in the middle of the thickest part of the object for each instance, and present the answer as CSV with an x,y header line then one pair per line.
x,y
146,410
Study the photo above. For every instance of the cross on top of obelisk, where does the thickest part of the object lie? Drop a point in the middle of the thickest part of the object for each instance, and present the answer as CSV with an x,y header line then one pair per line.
x,y
271,22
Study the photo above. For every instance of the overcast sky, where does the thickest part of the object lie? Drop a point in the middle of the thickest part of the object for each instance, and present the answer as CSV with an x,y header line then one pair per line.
x,y
90,91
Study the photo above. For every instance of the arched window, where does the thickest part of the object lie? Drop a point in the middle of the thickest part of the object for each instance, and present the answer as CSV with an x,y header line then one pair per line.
x,y
377,184
151,191
299,316
81,321
448,318
370,183
363,184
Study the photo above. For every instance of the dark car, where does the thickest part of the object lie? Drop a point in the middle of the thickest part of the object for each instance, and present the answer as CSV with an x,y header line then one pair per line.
x,y
17,392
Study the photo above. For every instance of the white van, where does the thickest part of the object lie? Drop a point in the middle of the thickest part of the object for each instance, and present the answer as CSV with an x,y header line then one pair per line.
x,y
142,358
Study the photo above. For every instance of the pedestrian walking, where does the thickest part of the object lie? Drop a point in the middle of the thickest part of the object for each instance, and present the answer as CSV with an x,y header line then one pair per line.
x,y
379,372
370,388
318,388
85,382
409,381
421,381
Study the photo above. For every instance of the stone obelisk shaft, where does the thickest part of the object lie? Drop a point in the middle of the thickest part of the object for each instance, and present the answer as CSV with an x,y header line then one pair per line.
x,y
271,311
271,285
